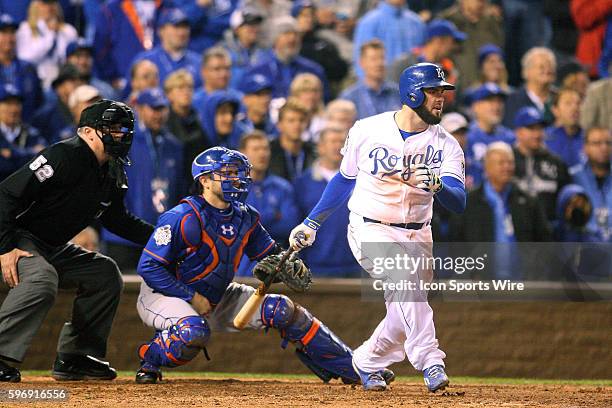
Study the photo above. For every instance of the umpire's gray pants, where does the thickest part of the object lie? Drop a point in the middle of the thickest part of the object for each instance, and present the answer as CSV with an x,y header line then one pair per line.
x,y
98,285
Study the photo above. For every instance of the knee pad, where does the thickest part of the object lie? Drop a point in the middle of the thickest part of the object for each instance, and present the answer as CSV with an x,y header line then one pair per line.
x,y
178,345
317,346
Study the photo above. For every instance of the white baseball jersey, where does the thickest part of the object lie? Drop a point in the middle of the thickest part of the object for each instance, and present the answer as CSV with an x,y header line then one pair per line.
x,y
376,155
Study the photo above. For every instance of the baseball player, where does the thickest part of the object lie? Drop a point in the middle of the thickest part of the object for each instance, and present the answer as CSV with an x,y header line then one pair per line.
x,y
188,266
395,164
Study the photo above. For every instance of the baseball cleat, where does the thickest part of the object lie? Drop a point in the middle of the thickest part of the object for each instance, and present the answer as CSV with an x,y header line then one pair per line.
x,y
387,375
371,381
148,374
435,378
8,373
74,367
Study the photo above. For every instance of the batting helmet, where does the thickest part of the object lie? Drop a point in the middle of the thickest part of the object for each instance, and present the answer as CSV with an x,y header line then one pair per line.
x,y
232,165
417,77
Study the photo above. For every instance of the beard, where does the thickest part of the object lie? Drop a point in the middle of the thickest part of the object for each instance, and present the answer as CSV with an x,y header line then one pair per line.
x,y
426,116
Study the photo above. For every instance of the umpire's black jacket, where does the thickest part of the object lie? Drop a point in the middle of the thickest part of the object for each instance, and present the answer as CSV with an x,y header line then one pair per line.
x,y
61,191
477,223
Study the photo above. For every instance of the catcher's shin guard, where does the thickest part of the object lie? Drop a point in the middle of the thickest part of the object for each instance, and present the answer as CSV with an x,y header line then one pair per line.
x,y
316,346
177,345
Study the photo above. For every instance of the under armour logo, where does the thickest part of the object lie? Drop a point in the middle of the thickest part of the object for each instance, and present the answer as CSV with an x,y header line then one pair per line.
x,y
227,229
440,73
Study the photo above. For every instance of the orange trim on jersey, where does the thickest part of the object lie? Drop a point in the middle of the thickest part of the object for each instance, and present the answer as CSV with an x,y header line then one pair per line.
x,y
156,256
227,241
208,241
131,13
265,250
311,332
183,230
245,240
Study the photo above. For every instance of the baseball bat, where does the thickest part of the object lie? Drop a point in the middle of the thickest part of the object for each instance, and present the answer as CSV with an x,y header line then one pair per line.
x,y
253,304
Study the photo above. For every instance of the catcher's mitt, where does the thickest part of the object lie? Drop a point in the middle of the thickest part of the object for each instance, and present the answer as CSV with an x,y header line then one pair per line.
x,y
294,273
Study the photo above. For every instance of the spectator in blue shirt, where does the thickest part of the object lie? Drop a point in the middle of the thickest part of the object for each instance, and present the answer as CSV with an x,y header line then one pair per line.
x,y
283,63
241,42
395,25
54,116
155,177
19,142
220,120
123,29
331,256
457,125
215,74
257,90
208,19
564,138
80,55
574,209
487,103
22,75
272,195
172,53
594,176
372,94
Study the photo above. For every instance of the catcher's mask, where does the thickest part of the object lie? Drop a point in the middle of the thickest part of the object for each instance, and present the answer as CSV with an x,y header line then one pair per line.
x,y
230,167
113,123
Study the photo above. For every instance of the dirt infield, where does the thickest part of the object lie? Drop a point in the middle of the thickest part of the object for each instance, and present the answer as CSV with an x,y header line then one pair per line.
x,y
261,392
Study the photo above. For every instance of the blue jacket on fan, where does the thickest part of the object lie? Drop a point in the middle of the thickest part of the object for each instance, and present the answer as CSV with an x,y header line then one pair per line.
x,y
600,223
22,75
155,178
197,247
330,255
207,112
166,65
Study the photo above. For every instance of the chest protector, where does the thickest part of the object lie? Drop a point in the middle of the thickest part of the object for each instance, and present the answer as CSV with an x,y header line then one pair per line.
x,y
208,266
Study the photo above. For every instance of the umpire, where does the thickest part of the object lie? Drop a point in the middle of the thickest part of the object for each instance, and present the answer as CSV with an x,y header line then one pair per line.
x,y
42,206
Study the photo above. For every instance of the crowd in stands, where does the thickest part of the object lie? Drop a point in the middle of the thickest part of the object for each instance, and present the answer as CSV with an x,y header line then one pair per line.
x,y
283,81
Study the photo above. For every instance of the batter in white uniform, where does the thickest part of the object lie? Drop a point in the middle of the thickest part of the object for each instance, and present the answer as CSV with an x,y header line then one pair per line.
x,y
395,164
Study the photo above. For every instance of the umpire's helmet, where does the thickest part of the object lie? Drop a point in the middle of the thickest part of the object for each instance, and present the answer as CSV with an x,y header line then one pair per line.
x,y
232,165
419,76
110,117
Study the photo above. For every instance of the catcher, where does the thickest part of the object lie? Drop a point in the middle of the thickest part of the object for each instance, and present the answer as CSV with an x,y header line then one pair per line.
x,y
188,266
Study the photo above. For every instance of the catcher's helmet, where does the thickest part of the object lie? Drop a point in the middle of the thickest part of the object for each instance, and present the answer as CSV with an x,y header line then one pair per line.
x,y
232,165
109,117
417,77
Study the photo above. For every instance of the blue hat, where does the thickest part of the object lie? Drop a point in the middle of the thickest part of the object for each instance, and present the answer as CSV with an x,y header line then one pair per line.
x,y
255,83
152,97
172,16
485,91
299,5
8,91
488,49
80,44
528,116
7,21
439,28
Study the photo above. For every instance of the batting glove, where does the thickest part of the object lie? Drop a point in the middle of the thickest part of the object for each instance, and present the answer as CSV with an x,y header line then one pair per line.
x,y
427,179
302,236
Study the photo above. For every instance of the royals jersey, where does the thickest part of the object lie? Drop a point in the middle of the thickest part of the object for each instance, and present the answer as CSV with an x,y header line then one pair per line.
x,y
197,248
376,155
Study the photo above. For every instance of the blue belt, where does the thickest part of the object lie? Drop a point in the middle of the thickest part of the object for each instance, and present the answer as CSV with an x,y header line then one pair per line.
x,y
407,225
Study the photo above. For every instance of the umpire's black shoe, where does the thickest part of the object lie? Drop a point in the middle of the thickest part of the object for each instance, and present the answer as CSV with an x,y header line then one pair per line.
x,y
73,367
8,373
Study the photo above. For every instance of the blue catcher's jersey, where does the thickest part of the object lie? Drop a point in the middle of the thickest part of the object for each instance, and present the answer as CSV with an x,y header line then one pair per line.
x,y
197,247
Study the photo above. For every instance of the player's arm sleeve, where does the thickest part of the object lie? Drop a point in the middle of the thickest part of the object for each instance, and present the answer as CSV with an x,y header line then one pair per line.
x,y
336,193
118,220
452,173
452,196
160,255
259,242
48,171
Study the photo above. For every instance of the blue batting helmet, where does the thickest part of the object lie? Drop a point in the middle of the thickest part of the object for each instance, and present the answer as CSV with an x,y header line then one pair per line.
x,y
417,77
233,166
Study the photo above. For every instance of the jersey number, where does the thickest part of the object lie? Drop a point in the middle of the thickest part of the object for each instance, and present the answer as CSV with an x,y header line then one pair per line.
x,y
41,170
